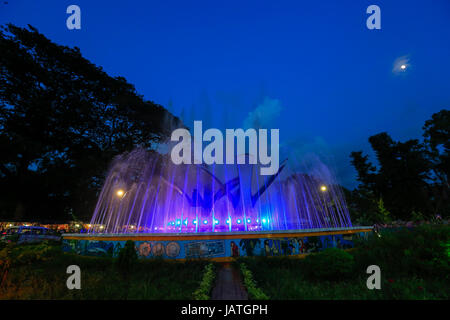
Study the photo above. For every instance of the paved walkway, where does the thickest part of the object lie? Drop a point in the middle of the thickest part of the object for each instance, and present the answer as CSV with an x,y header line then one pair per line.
x,y
229,285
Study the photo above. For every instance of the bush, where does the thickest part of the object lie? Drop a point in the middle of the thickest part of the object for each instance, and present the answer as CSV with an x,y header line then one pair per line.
x,y
254,292
420,251
26,254
127,259
204,290
330,264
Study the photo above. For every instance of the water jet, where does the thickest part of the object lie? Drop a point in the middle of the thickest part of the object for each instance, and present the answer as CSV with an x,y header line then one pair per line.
x,y
196,211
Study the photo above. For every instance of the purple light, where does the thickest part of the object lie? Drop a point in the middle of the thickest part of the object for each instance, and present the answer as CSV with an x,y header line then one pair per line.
x,y
163,197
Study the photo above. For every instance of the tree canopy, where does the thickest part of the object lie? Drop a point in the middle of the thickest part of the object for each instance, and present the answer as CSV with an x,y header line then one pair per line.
x,y
411,177
62,120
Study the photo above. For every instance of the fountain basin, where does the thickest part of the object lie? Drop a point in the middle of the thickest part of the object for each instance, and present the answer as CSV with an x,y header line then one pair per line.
x,y
218,246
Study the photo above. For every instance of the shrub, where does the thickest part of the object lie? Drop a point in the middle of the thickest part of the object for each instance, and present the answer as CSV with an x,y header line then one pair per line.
x,y
330,264
420,251
254,292
204,290
26,254
127,259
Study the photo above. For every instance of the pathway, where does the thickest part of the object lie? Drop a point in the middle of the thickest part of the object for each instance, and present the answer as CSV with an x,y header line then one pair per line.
x,y
229,285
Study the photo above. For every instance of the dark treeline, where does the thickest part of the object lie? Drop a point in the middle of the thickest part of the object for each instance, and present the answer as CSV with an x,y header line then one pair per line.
x,y
410,181
62,120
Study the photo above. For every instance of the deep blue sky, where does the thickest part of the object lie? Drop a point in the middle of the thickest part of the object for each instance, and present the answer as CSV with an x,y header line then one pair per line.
x,y
311,67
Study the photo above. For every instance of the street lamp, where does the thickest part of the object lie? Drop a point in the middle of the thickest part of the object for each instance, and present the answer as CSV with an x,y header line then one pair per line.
x,y
323,188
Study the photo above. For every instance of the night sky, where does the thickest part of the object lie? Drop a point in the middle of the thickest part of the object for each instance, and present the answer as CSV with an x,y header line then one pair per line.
x,y
310,68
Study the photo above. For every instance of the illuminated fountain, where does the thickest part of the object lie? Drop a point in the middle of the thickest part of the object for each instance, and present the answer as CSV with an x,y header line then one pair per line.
x,y
147,193
217,211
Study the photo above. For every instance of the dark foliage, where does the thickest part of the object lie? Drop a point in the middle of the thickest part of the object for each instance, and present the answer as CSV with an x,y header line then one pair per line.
x,y
62,120
330,264
423,251
127,259
411,178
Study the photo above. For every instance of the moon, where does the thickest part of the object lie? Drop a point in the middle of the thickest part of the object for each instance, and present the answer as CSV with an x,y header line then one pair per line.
x,y
401,64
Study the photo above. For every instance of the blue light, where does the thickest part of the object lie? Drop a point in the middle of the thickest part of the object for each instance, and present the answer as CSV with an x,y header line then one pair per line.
x,y
228,220
238,221
264,220
185,222
248,220
257,220
194,221
205,221
178,222
216,221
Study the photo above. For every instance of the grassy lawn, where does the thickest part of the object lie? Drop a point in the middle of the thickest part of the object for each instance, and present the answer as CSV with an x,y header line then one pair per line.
x,y
414,265
283,279
43,276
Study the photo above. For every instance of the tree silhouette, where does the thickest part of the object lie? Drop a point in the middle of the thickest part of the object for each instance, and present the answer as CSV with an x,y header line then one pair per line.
x,y
62,119
411,176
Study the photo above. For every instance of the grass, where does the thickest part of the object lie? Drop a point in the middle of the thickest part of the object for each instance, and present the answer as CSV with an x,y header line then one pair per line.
x,y
44,277
254,292
414,265
283,279
206,285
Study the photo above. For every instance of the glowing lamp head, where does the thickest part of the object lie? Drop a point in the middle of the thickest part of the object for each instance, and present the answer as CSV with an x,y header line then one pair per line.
x,y
403,67
120,193
323,188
